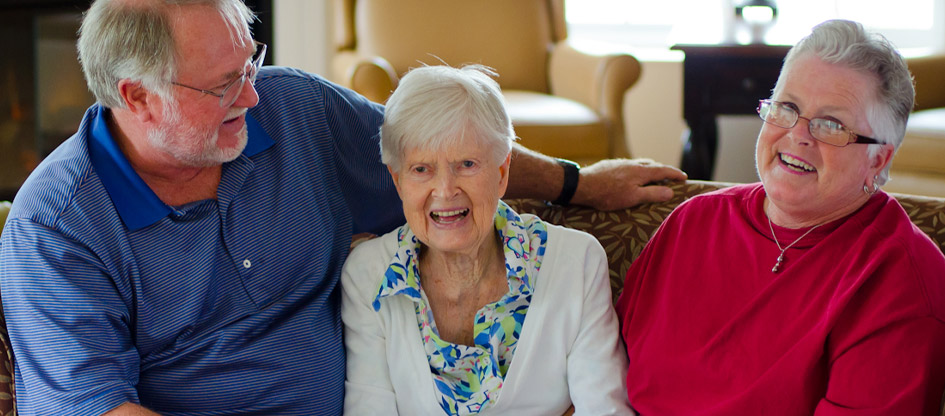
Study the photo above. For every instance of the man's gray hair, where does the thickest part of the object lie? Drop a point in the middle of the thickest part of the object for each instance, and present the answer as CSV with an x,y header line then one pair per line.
x,y
847,43
122,39
436,107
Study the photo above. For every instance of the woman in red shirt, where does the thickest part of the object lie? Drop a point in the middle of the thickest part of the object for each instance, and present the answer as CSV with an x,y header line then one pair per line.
x,y
811,292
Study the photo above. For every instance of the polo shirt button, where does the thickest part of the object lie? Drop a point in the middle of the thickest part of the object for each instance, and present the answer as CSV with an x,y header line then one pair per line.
x,y
247,264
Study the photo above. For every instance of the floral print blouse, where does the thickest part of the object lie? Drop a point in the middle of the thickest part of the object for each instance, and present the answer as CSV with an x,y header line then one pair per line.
x,y
469,378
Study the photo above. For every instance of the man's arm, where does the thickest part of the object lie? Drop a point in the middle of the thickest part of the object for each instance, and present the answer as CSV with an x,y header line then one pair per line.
x,y
606,185
67,323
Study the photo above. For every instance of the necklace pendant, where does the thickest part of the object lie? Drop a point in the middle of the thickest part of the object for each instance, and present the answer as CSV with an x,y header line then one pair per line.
x,y
778,264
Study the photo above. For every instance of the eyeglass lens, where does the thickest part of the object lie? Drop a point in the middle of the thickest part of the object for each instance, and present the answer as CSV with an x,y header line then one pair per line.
x,y
827,131
233,91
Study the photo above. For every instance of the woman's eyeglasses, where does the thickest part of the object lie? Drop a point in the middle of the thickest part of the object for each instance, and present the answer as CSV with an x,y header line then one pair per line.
x,y
826,131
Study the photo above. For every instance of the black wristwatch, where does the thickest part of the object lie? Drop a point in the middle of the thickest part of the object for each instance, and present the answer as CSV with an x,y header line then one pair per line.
x,y
572,172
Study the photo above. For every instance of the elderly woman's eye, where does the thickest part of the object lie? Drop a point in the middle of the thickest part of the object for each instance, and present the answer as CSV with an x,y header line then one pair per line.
x,y
828,125
419,169
468,163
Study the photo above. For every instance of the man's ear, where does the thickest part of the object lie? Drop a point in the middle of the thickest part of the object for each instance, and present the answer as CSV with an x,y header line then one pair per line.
x,y
138,99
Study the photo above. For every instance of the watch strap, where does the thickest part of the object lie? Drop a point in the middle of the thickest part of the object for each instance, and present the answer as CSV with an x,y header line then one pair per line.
x,y
572,172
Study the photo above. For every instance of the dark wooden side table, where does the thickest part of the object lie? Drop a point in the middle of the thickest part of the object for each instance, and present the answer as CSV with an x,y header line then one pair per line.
x,y
722,79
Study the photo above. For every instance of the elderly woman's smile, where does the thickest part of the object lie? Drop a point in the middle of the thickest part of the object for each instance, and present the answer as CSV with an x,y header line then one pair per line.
x,y
449,217
794,164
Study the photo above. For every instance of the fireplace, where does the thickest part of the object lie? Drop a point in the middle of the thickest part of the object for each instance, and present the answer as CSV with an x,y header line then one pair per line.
x,y
42,92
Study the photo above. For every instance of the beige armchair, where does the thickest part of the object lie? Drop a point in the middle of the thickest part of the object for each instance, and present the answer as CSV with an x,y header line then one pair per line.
x,y
563,102
919,165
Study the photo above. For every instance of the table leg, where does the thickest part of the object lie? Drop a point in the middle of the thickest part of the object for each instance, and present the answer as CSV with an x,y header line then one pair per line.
x,y
698,160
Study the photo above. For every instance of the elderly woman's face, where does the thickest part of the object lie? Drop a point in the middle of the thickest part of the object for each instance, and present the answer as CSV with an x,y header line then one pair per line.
x,y
806,178
450,196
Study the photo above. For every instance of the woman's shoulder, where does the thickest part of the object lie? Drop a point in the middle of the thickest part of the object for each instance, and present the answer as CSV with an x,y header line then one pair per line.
x,y
897,245
569,238
731,194
369,257
366,247
569,255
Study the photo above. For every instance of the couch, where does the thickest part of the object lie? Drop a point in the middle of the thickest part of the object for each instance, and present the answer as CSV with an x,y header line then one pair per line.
x,y
918,167
623,234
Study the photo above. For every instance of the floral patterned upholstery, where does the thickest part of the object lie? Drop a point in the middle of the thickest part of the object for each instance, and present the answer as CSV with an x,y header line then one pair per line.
x,y
623,234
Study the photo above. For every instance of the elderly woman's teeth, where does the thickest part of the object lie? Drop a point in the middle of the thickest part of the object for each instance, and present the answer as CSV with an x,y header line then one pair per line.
x,y
449,216
796,164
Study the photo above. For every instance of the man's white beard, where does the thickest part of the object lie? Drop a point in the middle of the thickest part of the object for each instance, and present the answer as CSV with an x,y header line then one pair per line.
x,y
191,145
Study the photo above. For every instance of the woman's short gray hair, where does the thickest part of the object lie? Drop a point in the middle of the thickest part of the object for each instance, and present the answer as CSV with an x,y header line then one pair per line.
x,y
434,107
847,43
133,40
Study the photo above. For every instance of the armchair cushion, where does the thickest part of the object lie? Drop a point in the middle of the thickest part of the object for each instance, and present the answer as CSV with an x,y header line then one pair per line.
x,y
925,136
557,126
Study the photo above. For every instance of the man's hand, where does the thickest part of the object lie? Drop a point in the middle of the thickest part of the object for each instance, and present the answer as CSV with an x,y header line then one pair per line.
x,y
606,185
620,183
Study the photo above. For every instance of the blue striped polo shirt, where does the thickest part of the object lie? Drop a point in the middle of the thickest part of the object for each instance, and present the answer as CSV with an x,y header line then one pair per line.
x,y
225,306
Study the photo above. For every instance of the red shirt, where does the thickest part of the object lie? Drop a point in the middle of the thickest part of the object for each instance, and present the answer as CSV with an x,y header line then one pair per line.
x,y
854,319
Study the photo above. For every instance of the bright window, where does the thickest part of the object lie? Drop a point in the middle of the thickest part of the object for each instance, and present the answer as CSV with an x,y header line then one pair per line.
x,y
912,25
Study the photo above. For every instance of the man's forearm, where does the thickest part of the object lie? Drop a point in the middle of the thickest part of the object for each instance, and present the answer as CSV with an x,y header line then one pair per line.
x,y
533,175
606,185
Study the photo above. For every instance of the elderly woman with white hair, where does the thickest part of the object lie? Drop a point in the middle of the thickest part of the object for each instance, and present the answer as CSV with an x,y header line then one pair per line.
x,y
471,308
811,292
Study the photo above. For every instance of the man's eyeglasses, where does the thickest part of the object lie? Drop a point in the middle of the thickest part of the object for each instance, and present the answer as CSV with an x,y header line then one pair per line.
x,y
824,130
232,89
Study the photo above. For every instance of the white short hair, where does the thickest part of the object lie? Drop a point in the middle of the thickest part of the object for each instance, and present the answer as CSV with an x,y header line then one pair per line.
x,y
133,40
847,43
435,107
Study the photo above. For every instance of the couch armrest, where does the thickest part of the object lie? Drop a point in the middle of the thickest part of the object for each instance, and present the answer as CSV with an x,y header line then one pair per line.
x,y
597,81
929,83
370,76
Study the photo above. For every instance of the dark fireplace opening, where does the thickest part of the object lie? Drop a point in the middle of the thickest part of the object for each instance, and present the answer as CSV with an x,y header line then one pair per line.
x,y
42,92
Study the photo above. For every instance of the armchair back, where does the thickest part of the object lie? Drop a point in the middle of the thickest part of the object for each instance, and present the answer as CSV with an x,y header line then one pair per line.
x,y
513,37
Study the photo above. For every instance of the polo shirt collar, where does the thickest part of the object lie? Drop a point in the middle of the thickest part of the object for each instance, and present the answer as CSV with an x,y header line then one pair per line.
x,y
137,205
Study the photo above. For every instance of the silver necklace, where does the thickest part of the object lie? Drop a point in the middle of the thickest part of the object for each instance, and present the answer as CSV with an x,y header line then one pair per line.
x,y
781,256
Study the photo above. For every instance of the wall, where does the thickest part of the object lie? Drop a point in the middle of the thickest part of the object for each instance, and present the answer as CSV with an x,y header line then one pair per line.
x,y
302,33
